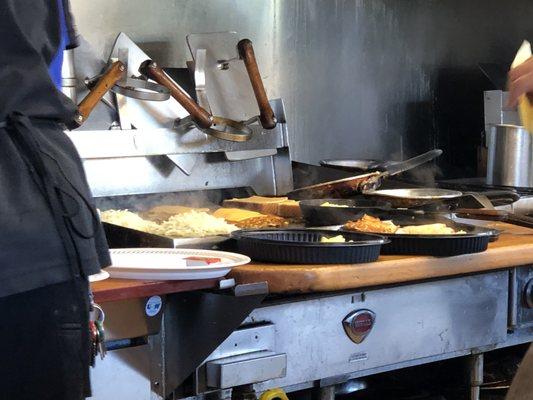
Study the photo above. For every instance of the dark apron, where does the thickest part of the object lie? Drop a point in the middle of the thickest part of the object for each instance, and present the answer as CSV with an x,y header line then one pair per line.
x,y
51,241
51,232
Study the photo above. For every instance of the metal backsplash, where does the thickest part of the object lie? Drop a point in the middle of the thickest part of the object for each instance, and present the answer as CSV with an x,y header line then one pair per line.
x,y
360,78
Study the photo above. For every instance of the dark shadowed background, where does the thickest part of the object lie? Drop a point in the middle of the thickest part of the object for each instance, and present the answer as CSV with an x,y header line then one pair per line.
x,y
360,78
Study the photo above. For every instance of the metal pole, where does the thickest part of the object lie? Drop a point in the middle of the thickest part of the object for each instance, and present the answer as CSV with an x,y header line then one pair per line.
x,y
476,375
327,393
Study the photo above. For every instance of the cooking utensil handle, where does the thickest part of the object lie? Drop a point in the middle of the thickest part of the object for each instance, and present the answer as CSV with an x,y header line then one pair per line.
x,y
153,71
520,220
496,215
266,114
501,197
481,214
411,163
108,79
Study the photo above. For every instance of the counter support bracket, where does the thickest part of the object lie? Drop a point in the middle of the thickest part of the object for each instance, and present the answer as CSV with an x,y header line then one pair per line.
x,y
195,324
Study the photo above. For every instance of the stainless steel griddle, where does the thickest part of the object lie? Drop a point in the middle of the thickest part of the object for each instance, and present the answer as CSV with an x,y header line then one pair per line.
x,y
295,342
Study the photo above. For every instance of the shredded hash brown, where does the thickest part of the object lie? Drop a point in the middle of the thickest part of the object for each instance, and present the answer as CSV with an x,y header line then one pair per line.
x,y
371,225
263,221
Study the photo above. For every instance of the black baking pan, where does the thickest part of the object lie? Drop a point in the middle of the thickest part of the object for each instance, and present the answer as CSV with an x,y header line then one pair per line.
x,y
475,240
315,214
121,237
303,246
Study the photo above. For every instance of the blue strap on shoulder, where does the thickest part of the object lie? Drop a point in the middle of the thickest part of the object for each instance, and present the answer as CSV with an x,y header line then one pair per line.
x,y
55,66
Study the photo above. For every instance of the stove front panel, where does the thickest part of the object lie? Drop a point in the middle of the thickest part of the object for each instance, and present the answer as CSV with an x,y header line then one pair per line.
x,y
388,326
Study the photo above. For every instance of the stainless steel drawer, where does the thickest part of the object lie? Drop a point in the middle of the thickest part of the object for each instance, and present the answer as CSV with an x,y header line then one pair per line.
x,y
244,369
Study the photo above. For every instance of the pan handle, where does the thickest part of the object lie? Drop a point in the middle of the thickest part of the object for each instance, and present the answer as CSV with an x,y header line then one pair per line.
x,y
153,71
481,214
496,215
520,220
501,197
106,82
402,166
266,114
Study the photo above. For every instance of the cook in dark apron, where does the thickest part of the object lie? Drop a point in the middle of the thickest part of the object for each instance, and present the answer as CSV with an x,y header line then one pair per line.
x,y
51,239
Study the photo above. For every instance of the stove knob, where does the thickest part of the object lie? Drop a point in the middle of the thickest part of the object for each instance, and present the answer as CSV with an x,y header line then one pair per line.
x,y
529,293
358,324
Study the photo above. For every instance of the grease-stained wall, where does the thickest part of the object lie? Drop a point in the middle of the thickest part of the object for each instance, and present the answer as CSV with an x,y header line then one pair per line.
x,y
360,78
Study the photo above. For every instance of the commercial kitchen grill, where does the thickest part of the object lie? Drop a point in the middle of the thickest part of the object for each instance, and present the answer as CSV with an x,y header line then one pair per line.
x,y
226,343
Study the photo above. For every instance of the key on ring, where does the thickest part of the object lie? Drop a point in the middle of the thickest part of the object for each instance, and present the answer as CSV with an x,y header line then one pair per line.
x,y
99,318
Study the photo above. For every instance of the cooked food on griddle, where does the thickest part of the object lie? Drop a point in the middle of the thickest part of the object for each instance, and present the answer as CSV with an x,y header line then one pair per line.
x,y
191,224
371,224
328,204
233,215
280,206
267,205
163,212
263,221
246,219
129,219
195,224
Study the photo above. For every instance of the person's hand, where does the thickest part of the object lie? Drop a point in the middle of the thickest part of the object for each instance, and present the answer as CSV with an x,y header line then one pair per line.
x,y
520,82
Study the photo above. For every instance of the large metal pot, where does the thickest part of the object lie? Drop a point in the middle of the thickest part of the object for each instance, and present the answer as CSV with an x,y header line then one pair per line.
x,y
510,157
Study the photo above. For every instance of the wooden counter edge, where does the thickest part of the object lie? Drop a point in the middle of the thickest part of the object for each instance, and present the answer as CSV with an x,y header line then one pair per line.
x,y
326,278
125,289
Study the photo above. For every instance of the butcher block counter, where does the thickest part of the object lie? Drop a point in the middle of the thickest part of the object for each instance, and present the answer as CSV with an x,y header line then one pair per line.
x,y
125,289
514,248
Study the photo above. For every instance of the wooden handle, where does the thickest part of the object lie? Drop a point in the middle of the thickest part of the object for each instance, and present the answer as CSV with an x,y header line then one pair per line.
x,y
481,213
110,77
246,53
198,114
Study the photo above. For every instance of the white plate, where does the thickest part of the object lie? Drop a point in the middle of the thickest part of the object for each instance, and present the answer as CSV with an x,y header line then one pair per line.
x,y
169,264
102,275
207,242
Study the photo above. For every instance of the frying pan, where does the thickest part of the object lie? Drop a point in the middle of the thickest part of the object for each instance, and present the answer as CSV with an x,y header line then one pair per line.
x,y
361,183
357,165
408,198
315,214
221,128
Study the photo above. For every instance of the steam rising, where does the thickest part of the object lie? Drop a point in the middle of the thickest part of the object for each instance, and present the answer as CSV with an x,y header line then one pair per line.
x,y
195,199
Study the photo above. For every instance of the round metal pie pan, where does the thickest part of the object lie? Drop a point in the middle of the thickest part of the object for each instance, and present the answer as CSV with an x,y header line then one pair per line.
x,y
303,246
475,240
